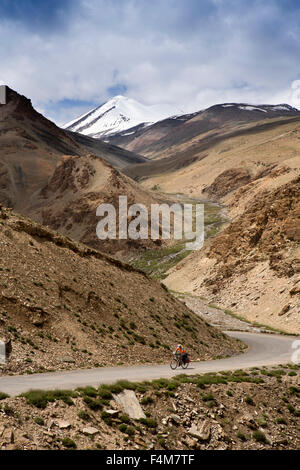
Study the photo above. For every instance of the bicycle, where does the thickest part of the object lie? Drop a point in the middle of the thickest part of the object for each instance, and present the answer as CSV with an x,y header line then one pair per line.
x,y
178,362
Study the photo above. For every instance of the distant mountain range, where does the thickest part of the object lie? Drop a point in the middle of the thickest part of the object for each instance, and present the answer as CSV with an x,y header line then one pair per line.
x,y
121,120
118,115
176,143
242,156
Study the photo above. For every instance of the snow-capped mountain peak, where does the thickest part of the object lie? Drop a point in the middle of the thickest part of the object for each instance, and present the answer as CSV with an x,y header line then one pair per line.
x,y
117,115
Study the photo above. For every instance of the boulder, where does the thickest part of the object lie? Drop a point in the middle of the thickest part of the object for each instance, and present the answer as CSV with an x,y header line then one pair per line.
x,y
201,432
90,431
284,310
129,403
63,424
295,290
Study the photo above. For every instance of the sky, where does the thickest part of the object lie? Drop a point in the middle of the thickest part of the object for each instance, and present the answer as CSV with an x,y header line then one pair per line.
x,y
69,56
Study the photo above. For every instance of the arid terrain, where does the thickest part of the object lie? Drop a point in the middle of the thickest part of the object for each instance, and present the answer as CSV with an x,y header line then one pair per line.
x,y
31,146
149,230
252,267
59,178
69,201
185,135
64,305
259,150
254,410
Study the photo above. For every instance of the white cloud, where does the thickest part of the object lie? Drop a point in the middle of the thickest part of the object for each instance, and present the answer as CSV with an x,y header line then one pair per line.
x,y
189,54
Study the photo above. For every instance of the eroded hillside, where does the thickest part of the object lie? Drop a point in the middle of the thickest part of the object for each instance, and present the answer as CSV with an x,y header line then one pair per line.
x,y
69,201
65,305
223,166
253,266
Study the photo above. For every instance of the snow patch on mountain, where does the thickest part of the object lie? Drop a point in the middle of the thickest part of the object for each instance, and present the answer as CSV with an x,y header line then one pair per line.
x,y
253,108
117,115
264,108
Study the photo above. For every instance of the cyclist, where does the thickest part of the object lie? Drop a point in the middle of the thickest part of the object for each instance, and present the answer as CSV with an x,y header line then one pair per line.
x,y
181,353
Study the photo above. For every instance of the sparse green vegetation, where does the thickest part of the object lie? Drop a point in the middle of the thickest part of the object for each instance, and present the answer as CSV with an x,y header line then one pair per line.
x,y
8,410
293,410
162,441
130,431
3,396
84,415
94,405
122,427
125,419
40,398
94,400
249,401
280,420
68,443
259,436
158,261
88,391
262,422
104,392
147,400
38,420
149,422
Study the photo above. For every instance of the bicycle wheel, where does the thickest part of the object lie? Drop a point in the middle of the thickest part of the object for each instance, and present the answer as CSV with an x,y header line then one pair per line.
x,y
184,365
174,364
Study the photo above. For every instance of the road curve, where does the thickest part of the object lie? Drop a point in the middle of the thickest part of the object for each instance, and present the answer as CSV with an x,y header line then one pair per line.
x,y
264,350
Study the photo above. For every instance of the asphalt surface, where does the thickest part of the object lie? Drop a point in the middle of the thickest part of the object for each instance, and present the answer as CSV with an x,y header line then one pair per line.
x,y
264,350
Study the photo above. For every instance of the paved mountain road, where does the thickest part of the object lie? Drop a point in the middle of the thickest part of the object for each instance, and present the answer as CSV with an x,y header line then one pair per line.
x,y
264,350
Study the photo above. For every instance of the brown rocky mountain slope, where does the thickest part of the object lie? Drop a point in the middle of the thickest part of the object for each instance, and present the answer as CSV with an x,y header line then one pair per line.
x,y
185,157
253,266
48,174
268,157
175,145
116,156
68,202
243,172
66,305
31,146
162,138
